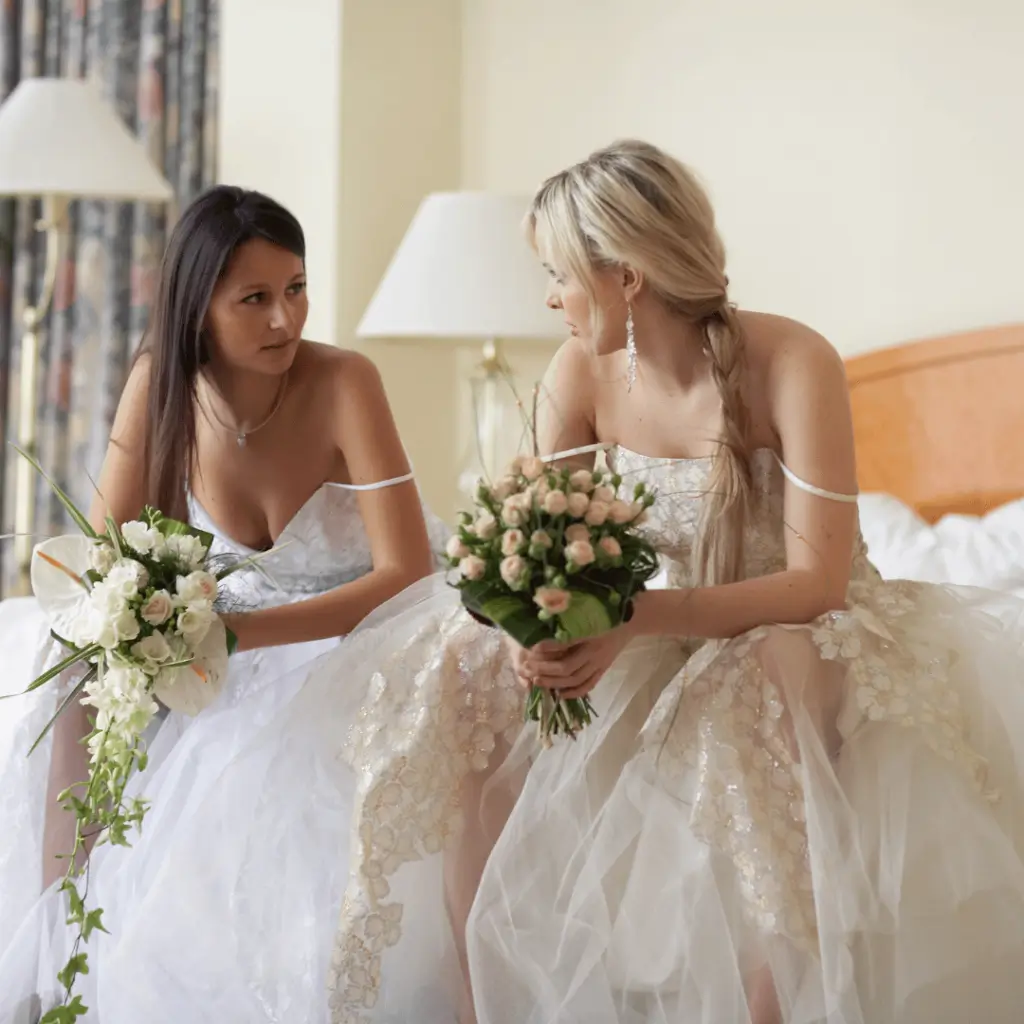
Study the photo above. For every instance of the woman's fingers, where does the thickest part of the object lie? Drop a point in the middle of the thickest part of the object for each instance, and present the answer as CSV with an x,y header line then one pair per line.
x,y
583,688
557,675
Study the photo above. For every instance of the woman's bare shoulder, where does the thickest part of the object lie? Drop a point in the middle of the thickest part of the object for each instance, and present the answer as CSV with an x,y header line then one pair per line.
x,y
332,368
779,344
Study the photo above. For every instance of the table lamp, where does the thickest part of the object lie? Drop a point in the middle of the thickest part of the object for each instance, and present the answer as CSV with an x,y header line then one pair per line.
x,y
59,141
465,271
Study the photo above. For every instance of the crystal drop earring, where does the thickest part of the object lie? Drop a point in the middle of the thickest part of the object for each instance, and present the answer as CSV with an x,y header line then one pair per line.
x,y
630,349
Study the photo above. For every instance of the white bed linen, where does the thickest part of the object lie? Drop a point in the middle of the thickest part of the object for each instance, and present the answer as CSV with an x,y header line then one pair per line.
x,y
984,551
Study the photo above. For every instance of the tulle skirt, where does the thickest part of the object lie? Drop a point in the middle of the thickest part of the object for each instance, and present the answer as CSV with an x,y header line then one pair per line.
x,y
223,908
820,823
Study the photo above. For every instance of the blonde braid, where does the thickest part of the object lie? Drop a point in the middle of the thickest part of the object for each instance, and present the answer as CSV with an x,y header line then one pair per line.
x,y
718,554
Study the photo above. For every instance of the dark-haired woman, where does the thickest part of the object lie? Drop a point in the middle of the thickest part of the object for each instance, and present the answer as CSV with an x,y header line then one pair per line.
x,y
274,445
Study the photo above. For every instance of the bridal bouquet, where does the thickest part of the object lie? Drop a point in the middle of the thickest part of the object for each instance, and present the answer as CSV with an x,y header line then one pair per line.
x,y
553,554
134,609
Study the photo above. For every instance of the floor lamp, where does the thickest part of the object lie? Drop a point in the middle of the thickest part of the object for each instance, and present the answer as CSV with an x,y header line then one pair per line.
x,y
59,141
464,272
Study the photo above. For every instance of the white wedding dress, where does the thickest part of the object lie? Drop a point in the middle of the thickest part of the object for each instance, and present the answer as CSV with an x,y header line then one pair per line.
x,y
830,815
832,811
210,920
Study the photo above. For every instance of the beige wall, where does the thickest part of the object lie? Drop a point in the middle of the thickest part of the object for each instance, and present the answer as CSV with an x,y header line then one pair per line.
x,y
280,124
401,79
866,156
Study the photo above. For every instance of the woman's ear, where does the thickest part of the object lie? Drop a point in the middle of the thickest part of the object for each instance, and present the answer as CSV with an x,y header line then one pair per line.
x,y
632,283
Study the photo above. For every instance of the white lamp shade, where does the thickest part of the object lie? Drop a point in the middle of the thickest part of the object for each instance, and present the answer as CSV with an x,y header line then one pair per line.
x,y
58,138
463,270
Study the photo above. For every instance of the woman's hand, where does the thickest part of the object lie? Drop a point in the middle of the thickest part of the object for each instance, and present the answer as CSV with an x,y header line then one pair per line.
x,y
238,623
571,669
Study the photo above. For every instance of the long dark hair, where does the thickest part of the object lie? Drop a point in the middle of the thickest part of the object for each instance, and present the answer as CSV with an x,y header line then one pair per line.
x,y
202,243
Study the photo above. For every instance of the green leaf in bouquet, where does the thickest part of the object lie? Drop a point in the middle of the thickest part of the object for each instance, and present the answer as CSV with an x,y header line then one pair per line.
x,y
93,923
72,695
232,641
114,533
79,519
67,1014
249,562
76,905
183,663
63,641
518,619
77,655
475,592
587,615
176,528
70,802
78,964
604,581
515,615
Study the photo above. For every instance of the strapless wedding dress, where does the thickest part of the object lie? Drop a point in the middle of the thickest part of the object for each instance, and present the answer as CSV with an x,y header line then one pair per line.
x,y
833,811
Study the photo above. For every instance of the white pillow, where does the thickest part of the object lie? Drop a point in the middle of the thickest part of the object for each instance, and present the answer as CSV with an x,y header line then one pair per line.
x,y
983,551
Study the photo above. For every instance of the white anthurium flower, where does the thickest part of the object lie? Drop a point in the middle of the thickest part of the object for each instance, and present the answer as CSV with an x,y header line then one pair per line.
x,y
191,688
58,565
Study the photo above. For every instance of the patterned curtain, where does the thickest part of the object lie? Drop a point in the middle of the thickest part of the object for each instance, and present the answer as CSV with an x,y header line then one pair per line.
x,y
156,61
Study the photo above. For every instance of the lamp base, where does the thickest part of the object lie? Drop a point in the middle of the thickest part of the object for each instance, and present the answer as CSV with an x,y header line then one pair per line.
x,y
52,222
499,421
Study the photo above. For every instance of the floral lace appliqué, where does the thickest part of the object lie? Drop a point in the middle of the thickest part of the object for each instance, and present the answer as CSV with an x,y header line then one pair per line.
x,y
423,731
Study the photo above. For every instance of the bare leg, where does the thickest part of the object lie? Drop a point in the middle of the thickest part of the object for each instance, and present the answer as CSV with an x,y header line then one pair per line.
x,y
819,698
465,860
69,764
762,999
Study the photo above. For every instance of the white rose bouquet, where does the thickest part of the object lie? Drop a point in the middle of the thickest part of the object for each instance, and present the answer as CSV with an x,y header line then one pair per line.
x,y
134,607
553,554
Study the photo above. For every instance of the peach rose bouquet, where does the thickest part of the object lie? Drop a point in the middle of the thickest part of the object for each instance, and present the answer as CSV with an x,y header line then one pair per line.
x,y
553,554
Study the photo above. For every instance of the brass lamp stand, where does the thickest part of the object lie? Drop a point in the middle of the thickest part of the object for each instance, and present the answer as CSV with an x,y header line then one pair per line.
x,y
53,222
60,140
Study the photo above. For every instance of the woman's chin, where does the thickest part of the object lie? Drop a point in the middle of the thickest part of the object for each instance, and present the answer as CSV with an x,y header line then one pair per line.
x,y
276,358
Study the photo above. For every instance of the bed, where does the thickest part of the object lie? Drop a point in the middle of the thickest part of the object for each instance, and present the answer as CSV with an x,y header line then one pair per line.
x,y
939,430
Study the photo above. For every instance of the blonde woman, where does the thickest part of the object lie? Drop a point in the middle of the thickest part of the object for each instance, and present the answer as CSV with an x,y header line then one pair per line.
x,y
802,798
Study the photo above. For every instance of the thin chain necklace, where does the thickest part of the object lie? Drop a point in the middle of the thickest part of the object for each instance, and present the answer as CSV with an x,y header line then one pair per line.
x,y
240,432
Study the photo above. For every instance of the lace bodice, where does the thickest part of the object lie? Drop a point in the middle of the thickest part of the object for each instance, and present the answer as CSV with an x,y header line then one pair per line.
x,y
324,546
680,486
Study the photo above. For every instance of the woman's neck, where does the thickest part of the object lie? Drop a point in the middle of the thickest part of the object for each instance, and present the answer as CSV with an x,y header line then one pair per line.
x,y
244,396
670,351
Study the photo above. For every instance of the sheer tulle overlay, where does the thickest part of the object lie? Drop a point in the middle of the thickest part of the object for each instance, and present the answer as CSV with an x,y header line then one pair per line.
x,y
819,823
194,906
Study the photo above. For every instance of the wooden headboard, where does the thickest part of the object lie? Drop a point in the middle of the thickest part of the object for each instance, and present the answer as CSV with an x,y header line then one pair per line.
x,y
940,423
